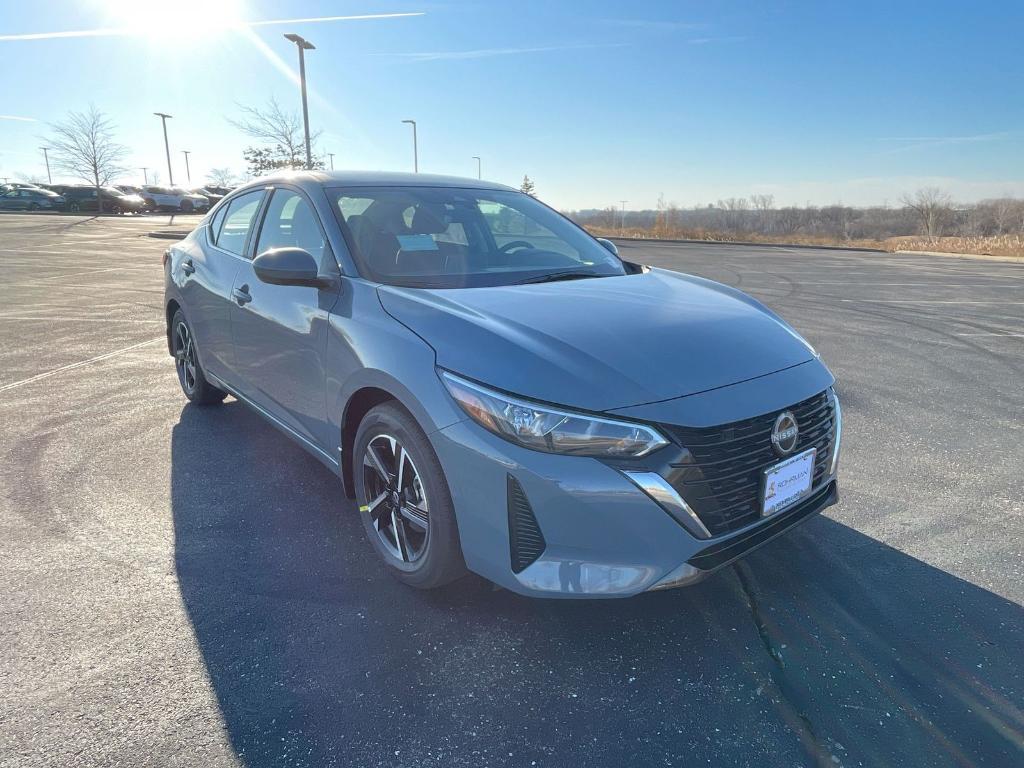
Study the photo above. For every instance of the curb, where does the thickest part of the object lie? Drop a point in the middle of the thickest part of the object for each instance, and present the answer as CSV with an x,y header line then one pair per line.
x,y
750,245
168,235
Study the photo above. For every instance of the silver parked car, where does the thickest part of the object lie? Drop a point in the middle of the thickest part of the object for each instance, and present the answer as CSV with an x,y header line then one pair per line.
x,y
498,390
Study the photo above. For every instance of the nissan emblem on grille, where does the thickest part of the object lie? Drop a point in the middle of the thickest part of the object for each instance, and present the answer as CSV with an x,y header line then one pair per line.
x,y
785,433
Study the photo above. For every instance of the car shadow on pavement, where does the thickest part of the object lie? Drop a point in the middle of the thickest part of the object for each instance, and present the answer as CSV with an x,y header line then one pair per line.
x,y
825,647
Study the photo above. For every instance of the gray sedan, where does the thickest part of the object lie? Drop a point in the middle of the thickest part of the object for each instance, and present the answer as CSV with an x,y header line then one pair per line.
x,y
498,390
30,199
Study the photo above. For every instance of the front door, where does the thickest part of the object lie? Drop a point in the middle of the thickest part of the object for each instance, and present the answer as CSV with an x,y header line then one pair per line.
x,y
280,331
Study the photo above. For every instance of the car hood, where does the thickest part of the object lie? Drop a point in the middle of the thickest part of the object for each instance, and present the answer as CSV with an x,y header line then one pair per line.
x,y
601,343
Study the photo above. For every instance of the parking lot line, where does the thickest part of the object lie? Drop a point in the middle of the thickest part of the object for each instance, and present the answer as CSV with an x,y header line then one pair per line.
x,y
79,364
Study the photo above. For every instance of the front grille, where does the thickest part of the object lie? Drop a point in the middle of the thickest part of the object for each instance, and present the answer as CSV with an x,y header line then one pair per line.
x,y
722,483
526,542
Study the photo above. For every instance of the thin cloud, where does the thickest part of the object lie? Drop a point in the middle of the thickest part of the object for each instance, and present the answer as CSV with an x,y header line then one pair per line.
x,y
482,53
124,31
905,143
19,119
653,24
709,40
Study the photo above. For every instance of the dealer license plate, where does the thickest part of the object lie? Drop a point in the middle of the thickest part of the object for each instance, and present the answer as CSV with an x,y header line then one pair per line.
x,y
787,482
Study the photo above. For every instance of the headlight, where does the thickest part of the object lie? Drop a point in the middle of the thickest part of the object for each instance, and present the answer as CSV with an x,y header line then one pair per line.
x,y
541,428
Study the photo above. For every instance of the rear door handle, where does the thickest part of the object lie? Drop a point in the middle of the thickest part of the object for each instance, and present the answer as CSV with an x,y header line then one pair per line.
x,y
187,267
241,295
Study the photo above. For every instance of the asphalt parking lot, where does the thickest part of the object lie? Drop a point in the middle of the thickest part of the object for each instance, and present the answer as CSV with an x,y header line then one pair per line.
x,y
184,586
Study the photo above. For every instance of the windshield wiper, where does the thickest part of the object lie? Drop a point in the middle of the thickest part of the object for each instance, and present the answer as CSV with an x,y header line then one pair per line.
x,y
552,277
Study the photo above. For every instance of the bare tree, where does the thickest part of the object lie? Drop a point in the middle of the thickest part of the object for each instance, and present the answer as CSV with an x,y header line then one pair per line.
x,y
83,145
932,207
221,177
764,204
281,129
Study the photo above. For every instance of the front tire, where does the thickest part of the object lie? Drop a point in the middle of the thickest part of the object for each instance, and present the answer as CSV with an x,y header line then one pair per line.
x,y
404,500
186,361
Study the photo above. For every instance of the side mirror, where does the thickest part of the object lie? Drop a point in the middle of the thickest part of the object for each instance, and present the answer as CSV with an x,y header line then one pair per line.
x,y
609,245
289,266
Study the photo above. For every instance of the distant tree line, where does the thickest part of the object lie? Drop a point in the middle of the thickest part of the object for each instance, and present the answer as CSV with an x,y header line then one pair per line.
x,y
928,212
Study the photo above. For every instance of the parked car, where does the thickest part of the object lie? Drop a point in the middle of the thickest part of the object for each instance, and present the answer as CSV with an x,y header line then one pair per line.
x,y
30,199
213,194
128,189
498,390
81,197
174,199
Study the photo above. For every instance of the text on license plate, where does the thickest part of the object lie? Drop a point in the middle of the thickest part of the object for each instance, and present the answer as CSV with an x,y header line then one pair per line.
x,y
787,481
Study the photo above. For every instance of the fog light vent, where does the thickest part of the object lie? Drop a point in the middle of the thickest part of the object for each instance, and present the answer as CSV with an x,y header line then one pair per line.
x,y
526,542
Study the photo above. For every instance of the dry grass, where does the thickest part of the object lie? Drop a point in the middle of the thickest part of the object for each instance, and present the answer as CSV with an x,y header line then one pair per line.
x,y
996,245
991,245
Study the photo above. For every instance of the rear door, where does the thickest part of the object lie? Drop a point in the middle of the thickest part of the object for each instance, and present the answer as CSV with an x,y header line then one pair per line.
x,y
280,331
206,276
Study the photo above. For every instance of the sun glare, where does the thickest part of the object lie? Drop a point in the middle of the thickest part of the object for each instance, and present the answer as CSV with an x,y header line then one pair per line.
x,y
178,22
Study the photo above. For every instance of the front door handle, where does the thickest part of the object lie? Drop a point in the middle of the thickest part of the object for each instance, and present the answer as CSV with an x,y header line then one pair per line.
x,y
187,267
241,295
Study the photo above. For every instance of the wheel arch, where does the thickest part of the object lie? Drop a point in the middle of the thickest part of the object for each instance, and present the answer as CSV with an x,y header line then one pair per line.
x,y
371,387
172,307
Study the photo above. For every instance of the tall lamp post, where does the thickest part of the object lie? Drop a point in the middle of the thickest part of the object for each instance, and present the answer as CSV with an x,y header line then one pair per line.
x,y
167,147
303,46
477,166
188,173
415,147
623,227
145,176
46,157
331,156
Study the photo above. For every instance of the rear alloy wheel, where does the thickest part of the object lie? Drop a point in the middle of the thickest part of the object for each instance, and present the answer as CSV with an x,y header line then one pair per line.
x,y
404,499
33,206
186,206
74,206
186,362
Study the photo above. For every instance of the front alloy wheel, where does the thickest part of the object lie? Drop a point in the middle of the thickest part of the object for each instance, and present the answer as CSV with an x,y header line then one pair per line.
x,y
398,506
404,500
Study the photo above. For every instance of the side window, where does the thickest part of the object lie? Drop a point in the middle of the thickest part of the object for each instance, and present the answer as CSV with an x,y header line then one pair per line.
x,y
218,219
237,220
291,222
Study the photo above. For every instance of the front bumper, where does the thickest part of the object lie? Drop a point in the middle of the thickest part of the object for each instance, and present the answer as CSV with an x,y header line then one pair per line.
x,y
602,535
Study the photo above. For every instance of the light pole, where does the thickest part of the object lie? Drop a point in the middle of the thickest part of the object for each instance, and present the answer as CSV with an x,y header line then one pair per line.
x,y
415,147
303,46
188,173
167,147
623,227
46,157
145,177
477,166
331,155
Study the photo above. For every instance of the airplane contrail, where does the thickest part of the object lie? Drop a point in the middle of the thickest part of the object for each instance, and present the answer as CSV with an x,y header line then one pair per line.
x,y
122,31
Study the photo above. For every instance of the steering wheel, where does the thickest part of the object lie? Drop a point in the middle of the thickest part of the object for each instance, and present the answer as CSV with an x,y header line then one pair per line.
x,y
507,247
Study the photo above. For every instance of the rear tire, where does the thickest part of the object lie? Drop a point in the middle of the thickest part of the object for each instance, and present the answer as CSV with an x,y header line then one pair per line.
x,y
33,206
404,501
74,206
186,361
186,206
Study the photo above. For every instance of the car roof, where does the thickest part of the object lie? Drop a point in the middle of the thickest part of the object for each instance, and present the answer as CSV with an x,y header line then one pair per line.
x,y
371,179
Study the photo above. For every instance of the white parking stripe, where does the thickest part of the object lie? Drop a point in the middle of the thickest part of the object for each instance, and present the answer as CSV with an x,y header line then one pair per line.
x,y
79,364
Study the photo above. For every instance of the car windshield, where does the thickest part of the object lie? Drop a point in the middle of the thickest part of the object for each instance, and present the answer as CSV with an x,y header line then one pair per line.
x,y
444,237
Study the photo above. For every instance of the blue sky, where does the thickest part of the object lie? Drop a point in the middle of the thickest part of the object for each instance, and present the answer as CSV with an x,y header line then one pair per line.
x,y
598,101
